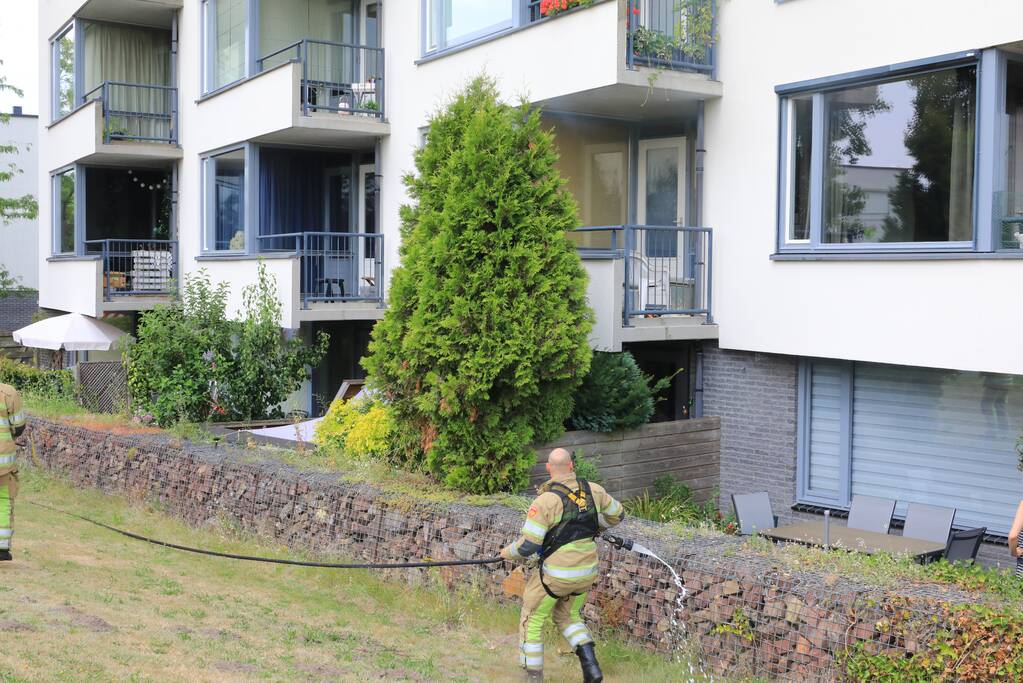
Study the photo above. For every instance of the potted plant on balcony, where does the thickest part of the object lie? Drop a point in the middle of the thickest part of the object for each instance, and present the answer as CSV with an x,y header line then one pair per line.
x,y
691,32
549,8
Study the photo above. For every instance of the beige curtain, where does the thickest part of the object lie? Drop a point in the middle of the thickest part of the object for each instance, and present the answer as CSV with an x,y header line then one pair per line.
x,y
960,209
134,55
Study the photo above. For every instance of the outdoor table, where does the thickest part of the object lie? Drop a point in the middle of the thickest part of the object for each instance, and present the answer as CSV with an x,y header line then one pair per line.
x,y
844,538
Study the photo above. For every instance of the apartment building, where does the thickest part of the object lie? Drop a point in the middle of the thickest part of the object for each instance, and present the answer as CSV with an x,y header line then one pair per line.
x,y
811,211
19,241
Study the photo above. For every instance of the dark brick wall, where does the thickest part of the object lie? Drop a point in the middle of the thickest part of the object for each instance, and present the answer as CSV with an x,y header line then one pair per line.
x,y
754,394
16,310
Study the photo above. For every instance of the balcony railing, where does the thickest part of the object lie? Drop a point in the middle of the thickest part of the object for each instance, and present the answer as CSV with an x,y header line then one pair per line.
x,y
134,111
336,266
668,269
336,77
136,267
672,34
1009,219
667,34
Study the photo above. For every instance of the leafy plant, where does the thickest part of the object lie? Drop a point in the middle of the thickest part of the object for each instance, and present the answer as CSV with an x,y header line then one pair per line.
x,y
672,501
615,394
266,365
485,335
974,644
191,363
359,428
691,33
739,625
587,467
53,384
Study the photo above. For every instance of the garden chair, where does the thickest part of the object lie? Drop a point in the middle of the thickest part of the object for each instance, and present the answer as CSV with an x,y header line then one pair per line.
x,y
754,512
928,522
868,513
964,544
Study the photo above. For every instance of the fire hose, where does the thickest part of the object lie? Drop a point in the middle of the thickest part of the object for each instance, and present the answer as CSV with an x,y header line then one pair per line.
x,y
616,541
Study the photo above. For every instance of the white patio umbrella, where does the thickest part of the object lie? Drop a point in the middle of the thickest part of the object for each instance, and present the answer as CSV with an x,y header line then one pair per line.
x,y
71,332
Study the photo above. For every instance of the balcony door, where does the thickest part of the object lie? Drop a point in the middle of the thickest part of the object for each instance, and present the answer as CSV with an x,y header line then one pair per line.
x,y
657,273
367,247
330,258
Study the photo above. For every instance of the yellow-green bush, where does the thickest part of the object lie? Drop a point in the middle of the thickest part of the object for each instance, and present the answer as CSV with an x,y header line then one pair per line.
x,y
359,428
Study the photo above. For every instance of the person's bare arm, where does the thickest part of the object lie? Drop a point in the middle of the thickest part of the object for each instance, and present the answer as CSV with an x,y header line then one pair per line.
x,y
1017,526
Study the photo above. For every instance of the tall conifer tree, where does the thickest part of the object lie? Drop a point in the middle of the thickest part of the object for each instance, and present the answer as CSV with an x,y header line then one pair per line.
x,y
485,336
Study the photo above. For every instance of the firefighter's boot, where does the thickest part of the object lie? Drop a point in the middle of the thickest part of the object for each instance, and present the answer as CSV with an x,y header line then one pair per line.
x,y
588,661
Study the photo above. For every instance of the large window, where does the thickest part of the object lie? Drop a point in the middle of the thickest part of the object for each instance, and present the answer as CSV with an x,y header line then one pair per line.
x,y
882,163
452,22
63,56
64,196
1009,202
941,437
226,47
224,197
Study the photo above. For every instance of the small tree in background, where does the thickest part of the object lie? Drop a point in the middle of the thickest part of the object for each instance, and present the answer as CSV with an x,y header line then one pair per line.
x,y
13,208
485,336
191,363
615,394
266,366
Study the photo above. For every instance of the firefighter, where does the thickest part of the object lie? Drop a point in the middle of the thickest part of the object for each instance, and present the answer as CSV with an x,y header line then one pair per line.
x,y
560,530
12,423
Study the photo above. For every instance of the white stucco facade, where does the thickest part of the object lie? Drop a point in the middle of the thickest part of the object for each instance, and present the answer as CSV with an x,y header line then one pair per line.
x,y
956,314
948,313
19,241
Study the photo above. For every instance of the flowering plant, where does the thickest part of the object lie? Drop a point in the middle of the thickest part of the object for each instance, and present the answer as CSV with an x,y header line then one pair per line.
x,y
549,8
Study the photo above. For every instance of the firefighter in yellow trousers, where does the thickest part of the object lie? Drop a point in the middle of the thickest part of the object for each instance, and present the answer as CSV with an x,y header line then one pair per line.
x,y
12,422
560,529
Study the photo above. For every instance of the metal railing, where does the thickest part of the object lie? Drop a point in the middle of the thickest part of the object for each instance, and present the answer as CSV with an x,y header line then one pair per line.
x,y
135,111
668,268
1008,215
136,267
671,34
336,77
336,266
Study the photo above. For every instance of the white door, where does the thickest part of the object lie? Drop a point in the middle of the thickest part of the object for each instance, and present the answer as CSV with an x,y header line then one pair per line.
x,y
656,263
367,224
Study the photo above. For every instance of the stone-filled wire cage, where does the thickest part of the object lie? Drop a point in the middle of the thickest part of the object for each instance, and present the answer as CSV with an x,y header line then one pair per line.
x,y
741,616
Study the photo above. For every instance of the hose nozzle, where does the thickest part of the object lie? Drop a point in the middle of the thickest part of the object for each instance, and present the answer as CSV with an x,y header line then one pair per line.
x,y
618,541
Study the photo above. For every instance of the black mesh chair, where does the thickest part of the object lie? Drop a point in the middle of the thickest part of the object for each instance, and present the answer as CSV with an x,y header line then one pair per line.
x,y
963,545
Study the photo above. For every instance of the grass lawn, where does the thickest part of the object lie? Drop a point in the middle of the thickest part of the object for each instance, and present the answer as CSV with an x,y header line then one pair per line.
x,y
80,603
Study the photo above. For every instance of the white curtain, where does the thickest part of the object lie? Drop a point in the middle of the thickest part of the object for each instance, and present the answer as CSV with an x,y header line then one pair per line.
x,y
135,55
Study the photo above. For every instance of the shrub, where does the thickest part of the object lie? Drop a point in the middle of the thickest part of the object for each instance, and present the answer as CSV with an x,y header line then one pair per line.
x,y
359,428
587,467
672,502
485,335
614,395
192,364
31,380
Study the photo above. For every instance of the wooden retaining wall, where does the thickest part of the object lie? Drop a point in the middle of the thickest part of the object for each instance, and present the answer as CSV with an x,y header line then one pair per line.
x,y
630,461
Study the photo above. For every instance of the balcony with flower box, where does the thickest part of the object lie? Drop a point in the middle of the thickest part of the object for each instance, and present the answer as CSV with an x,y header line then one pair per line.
x,y
635,59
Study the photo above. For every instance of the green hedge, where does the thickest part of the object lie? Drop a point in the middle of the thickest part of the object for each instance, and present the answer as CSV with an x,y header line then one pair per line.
x,y
25,378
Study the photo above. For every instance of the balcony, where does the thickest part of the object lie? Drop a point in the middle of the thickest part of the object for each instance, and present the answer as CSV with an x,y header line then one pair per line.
x,y
136,112
334,268
338,79
136,268
610,61
648,283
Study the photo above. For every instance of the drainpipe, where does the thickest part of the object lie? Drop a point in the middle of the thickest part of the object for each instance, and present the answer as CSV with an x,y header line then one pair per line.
x,y
174,78
698,388
380,222
698,171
